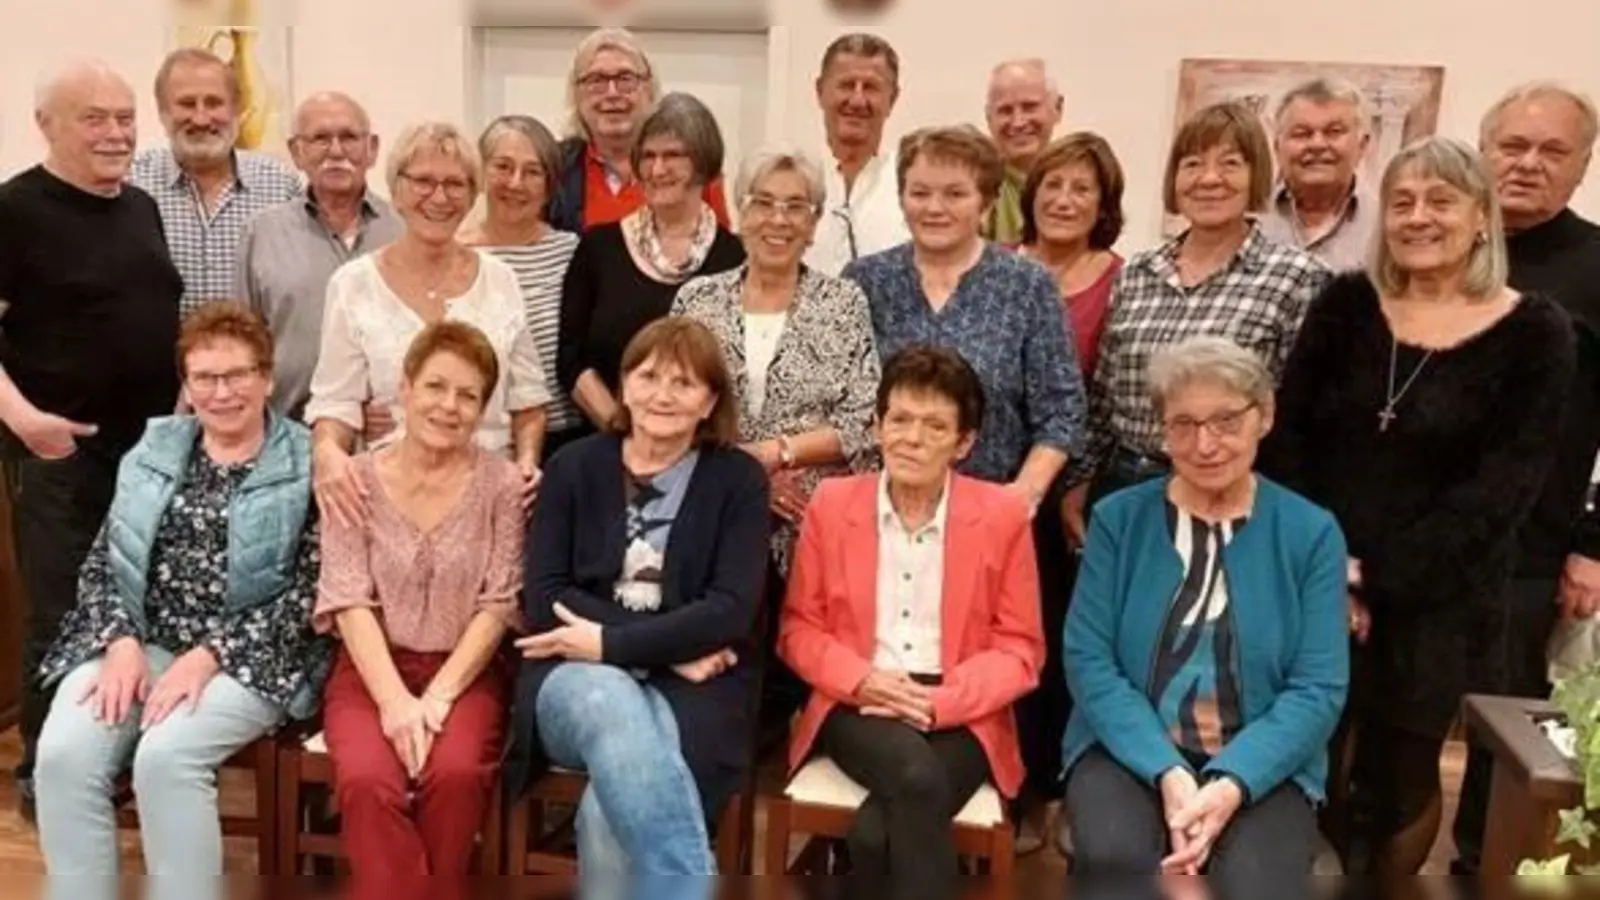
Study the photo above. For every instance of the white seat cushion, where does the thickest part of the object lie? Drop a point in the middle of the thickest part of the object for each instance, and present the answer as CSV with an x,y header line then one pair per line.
x,y
821,783
317,743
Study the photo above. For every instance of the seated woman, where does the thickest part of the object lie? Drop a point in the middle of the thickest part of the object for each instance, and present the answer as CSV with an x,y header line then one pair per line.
x,y
421,595
645,565
191,637
1205,648
913,613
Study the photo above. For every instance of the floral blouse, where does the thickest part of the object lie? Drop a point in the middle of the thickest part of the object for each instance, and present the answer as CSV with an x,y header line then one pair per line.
x,y
824,373
264,648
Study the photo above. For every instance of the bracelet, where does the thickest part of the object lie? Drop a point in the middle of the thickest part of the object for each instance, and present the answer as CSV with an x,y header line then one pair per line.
x,y
785,452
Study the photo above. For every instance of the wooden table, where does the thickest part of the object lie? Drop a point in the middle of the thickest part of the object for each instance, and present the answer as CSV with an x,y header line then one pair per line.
x,y
1532,783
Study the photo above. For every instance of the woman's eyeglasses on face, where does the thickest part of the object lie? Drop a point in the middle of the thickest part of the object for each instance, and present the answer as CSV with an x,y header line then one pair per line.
x,y
1182,430
207,383
766,207
600,82
454,188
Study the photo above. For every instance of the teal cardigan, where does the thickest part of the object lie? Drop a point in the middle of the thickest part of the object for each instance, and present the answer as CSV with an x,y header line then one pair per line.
x,y
1286,571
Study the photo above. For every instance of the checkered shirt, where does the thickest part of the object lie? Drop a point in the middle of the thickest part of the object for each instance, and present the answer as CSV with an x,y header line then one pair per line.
x,y
203,247
1258,300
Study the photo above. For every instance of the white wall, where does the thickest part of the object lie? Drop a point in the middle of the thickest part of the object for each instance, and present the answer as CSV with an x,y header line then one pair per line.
x,y
1117,62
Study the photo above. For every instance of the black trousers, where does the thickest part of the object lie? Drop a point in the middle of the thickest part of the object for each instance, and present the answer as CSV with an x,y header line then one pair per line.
x,y
916,783
57,507
1119,833
1527,616
1042,715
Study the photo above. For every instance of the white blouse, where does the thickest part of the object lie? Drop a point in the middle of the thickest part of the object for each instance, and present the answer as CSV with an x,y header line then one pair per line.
x,y
367,328
761,333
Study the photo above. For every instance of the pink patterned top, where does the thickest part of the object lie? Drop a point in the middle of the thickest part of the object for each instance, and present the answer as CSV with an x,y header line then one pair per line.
x,y
425,588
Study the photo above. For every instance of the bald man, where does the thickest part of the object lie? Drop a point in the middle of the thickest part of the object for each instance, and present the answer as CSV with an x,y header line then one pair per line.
x,y
1023,109
290,250
87,334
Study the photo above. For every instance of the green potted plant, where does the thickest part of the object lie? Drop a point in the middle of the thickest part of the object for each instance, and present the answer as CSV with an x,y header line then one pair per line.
x,y
1577,698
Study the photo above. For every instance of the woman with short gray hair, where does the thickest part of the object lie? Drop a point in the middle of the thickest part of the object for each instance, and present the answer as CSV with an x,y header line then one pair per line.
x,y
799,346
521,161
624,275
1422,405
1205,648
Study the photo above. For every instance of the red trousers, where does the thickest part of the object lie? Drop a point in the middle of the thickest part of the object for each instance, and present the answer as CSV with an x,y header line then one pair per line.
x,y
395,830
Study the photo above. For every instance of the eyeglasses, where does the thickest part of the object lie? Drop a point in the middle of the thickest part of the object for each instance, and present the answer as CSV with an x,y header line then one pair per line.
x,y
505,169
454,188
1183,429
600,82
207,383
843,212
323,141
765,207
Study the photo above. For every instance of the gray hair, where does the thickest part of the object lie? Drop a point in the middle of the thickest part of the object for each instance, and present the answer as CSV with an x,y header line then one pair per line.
x,y
48,89
195,56
771,160
1323,90
544,146
1455,163
622,41
866,46
340,97
1034,67
441,137
1208,359
684,117
1534,90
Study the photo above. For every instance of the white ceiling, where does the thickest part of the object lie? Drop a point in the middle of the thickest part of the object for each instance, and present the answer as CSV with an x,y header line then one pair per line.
x,y
703,15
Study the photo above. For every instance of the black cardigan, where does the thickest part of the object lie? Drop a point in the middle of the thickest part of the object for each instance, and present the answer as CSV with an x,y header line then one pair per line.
x,y
606,300
1432,506
713,576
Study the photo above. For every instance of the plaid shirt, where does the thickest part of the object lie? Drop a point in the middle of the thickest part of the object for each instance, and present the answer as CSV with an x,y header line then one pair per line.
x,y
1258,301
204,245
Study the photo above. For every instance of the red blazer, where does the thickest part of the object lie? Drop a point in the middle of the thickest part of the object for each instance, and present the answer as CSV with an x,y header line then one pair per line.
x,y
992,643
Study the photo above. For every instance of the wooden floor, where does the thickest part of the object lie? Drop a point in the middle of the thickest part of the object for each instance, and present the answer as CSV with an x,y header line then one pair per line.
x,y
19,849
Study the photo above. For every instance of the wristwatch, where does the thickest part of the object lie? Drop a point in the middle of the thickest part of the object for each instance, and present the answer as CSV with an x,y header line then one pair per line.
x,y
785,453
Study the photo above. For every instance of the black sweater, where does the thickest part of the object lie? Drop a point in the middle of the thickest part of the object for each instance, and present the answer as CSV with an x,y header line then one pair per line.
x,y
93,315
713,575
606,300
1561,260
1431,506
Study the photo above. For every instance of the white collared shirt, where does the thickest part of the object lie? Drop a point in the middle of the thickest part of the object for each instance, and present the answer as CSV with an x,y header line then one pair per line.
x,y
910,588
860,221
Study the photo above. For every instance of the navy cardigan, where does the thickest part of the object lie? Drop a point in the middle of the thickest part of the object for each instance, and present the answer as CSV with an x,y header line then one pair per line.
x,y
712,580
1286,595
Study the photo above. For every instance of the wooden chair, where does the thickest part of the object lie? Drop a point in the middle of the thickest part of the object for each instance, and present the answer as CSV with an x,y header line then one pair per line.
x,y
821,801
306,763
261,758
535,849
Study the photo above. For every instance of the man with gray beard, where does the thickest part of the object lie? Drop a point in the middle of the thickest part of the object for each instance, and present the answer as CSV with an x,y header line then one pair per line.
x,y
289,251
206,190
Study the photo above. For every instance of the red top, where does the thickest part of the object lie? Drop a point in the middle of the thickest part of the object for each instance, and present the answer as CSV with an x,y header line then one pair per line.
x,y
1087,310
601,207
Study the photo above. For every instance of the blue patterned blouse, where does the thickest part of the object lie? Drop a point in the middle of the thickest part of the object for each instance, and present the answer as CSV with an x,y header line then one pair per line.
x,y
1005,319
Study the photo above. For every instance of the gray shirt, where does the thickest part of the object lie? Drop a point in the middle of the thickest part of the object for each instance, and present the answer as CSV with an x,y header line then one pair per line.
x,y
284,263
1343,248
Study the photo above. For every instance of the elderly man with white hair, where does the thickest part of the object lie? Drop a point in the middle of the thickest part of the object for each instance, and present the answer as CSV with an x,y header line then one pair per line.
x,y
611,90
89,319
1538,141
207,191
1320,204
1024,107
291,250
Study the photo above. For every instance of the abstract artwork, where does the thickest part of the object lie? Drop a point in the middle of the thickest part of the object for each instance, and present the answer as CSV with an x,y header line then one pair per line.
x,y
1403,99
251,36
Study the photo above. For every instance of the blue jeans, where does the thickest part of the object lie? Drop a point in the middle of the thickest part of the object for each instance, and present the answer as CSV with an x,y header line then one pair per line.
x,y
641,817
174,779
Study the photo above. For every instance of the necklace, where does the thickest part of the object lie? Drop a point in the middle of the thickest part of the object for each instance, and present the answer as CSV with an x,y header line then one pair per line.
x,y
1387,415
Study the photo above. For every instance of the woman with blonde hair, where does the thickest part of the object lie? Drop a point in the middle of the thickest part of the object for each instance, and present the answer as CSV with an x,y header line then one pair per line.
x,y
1421,406
379,303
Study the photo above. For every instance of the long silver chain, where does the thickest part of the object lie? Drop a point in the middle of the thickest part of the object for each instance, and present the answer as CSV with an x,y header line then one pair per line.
x,y
1387,414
